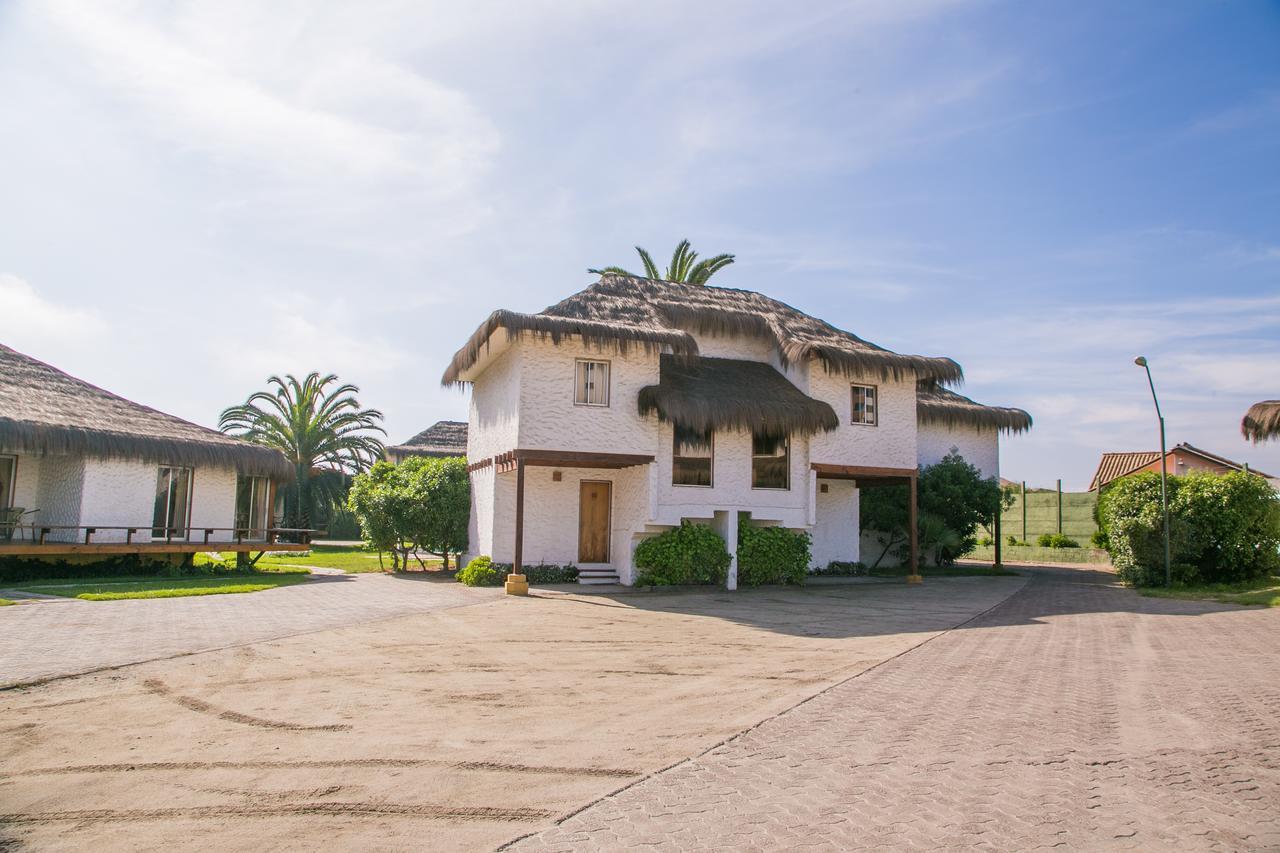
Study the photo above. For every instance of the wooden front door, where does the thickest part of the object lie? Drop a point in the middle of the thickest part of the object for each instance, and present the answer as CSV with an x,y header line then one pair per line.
x,y
594,498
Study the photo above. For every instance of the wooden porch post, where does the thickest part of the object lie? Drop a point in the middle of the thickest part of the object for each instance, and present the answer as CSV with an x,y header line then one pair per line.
x,y
997,535
913,523
516,582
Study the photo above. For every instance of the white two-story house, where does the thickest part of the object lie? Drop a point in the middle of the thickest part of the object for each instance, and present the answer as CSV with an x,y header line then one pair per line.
x,y
633,404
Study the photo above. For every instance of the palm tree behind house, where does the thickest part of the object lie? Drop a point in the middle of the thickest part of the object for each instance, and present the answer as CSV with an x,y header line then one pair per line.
x,y
323,431
684,267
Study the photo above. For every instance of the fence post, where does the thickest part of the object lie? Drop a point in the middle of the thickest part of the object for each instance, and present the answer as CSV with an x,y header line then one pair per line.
x,y
1024,512
998,513
1059,507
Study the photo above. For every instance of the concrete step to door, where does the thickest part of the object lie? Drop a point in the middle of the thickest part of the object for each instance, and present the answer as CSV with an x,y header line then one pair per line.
x,y
597,576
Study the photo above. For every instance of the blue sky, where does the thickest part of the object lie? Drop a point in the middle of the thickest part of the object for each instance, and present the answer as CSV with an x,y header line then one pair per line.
x,y
199,195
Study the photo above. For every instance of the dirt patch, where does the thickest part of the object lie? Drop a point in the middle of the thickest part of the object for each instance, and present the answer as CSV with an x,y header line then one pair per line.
x,y
459,729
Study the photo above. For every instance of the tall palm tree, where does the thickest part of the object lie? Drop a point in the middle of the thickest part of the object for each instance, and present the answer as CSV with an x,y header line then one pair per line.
x,y
323,431
684,267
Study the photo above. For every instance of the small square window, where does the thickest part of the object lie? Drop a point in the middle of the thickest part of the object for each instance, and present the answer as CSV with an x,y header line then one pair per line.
x,y
864,405
591,387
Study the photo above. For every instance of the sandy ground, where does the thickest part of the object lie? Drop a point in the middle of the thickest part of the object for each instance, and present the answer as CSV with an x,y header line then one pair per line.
x,y
459,729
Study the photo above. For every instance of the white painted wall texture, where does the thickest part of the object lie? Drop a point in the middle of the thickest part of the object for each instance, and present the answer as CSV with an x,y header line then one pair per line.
x,y
835,533
979,447
890,443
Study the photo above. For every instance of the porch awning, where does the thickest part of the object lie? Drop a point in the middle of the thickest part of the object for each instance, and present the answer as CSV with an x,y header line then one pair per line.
x,y
726,393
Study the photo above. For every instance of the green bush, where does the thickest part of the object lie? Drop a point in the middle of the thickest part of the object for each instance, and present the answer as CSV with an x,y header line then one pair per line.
x,y
689,554
841,569
768,555
480,572
1056,540
986,542
1222,528
1099,539
542,573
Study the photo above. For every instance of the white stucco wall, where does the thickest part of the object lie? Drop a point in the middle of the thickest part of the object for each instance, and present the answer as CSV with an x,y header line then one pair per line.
x,y
731,484
550,420
118,493
891,443
835,533
494,417
58,494
979,447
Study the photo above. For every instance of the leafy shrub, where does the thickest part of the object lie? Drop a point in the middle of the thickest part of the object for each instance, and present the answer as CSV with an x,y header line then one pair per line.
x,y
689,554
542,573
422,504
480,572
841,569
1056,540
1222,528
1099,539
772,555
986,542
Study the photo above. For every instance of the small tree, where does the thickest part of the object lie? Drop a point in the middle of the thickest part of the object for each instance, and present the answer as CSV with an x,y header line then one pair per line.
x,y
420,504
954,501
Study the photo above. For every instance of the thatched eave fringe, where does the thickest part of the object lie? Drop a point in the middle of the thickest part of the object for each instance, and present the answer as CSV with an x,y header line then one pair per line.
x,y
599,335
52,440
938,405
1262,421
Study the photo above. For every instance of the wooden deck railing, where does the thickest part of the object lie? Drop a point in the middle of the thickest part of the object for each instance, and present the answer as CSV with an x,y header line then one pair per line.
x,y
242,535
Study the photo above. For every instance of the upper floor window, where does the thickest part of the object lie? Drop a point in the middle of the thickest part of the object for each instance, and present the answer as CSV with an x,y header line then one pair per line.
x,y
591,387
864,405
691,456
770,461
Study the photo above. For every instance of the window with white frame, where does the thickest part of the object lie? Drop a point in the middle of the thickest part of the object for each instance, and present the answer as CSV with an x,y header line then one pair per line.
x,y
591,386
691,455
770,461
864,405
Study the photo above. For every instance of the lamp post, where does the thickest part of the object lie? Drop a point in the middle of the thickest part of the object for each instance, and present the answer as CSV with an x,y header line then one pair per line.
x,y
1141,361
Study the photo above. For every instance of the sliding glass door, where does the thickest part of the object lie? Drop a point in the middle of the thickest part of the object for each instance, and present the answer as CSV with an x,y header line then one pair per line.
x,y
8,467
252,496
173,504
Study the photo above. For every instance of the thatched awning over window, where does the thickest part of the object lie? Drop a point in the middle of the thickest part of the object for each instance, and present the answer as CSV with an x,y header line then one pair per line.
x,y
44,411
725,393
1262,421
621,311
938,405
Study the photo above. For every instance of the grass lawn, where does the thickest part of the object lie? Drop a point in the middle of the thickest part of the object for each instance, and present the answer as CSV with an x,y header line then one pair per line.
x,y
117,588
1264,592
347,558
942,572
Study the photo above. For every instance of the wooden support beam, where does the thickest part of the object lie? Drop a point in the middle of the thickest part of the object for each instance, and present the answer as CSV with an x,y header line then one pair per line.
x,y
913,522
516,583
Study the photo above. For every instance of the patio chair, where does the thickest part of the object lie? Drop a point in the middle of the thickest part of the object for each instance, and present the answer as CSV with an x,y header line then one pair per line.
x,y
10,520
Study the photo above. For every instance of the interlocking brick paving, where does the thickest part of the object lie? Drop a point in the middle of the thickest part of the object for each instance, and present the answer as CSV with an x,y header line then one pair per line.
x,y
44,640
1076,715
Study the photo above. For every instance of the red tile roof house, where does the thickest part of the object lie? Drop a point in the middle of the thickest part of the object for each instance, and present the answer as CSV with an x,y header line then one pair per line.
x,y
1182,459
635,403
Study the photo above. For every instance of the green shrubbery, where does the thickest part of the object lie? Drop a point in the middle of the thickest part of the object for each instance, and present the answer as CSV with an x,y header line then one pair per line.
x,y
772,555
689,554
480,572
1056,540
841,569
422,504
1222,528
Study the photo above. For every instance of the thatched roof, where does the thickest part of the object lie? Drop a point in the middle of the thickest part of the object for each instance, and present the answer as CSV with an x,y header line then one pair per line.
x,y
1262,421
622,311
725,393
938,405
442,438
44,411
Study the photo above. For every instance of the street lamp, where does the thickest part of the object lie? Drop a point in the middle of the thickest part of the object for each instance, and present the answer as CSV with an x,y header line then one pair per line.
x,y
1141,361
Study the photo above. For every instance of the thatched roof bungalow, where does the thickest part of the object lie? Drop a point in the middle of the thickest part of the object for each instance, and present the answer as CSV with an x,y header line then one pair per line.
x,y
442,438
73,455
635,404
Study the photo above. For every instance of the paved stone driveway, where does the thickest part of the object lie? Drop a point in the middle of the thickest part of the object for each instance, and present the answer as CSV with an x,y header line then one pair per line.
x,y
66,637
1076,715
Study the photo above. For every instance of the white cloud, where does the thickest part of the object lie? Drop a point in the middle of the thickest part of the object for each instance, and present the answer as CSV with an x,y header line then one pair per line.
x,y
29,319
